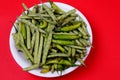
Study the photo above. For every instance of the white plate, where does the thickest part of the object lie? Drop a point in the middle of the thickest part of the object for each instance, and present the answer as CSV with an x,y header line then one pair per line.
x,y
19,58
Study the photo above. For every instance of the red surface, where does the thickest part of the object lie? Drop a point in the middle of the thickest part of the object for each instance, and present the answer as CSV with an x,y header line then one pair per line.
x,y
103,63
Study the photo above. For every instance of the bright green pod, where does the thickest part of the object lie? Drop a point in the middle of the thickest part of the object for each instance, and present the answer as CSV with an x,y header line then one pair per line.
x,y
72,27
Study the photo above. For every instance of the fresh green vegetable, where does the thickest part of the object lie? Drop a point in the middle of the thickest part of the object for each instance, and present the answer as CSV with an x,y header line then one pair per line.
x,y
51,38
65,36
69,28
63,42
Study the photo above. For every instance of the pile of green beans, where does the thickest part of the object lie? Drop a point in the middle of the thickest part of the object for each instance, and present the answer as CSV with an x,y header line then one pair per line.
x,y
51,38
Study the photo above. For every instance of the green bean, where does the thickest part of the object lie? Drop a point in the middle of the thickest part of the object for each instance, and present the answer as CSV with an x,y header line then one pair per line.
x,y
25,17
46,48
50,13
67,20
40,49
49,21
29,17
16,38
66,14
78,43
84,28
31,67
81,56
53,50
74,15
63,42
64,33
83,42
28,38
69,51
50,27
32,43
53,55
56,8
54,61
36,46
77,47
66,48
41,9
86,37
82,31
76,32
26,57
69,28
81,61
64,36
79,51
86,42
52,68
65,62
73,52
60,48
21,37
35,15
32,25
23,30
27,52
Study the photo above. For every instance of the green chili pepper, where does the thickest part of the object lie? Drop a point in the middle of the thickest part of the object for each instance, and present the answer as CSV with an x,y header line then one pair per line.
x,y
43,24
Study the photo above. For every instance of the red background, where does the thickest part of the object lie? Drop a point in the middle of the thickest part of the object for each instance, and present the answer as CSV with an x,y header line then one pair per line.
x,y
103,63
